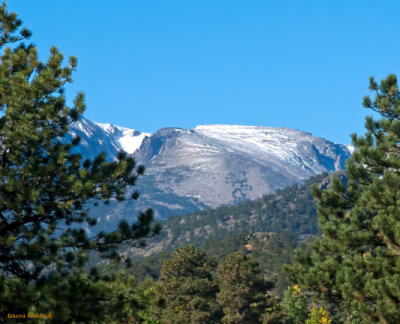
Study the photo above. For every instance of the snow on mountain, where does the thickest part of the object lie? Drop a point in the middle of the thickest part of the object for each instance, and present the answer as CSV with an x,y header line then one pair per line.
x,y
258,141
93,140
209,166
97,138
282,145
351,148
128,139
226,164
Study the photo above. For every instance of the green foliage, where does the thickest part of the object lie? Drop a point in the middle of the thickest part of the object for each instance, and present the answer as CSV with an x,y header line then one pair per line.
x,y
242,290
46,190
219,249
190,290
318,316
295,305
274,313
88,297
149,266
186,290
273,252
354,266
270,250
73,297
146,298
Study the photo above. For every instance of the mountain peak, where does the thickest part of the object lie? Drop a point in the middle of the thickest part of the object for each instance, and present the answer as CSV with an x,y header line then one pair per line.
x,y
128,139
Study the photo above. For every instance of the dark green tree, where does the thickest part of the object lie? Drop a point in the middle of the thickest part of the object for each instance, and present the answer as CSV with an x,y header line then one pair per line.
x,y
87,297
46,189
186,290
354,267
242,290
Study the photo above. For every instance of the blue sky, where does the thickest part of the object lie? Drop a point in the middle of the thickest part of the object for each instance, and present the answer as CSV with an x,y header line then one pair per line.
x,y
152,64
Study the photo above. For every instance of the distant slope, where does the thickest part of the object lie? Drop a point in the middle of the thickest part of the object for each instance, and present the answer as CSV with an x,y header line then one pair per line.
x,y
292,209
227,164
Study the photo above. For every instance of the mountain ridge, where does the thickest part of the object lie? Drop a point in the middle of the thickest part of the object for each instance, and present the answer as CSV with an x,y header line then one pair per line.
x,y
208,166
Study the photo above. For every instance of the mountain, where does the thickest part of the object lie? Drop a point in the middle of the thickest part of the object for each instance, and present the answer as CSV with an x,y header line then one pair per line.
x,y
211,165
227,164
97,138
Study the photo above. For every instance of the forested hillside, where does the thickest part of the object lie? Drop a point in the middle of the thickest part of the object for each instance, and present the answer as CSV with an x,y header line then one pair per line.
x,y
291,209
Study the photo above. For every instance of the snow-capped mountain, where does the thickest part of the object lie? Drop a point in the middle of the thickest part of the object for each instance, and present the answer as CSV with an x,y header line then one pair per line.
x,y
127,139
97,138
210,165
226,164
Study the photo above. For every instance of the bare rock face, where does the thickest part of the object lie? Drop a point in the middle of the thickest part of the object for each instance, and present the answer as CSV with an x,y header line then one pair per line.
x,y
226,164
209,166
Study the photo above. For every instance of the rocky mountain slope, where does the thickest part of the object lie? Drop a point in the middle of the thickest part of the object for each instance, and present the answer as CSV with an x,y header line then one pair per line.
x,y
209,166
227,164
97,138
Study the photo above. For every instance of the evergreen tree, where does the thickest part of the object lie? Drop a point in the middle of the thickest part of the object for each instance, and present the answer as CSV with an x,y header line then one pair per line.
x,y
45,189
241,290
87,297
355,266
186,290
295,305
146,298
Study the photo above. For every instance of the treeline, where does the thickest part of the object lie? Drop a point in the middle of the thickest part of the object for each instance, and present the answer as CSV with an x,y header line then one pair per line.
x,y
291,209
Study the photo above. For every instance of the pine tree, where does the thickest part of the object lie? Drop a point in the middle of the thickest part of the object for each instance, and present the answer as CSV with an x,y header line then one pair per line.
x,y
355,266
186,290
146,299
45,189
242,290
295,305
86,297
